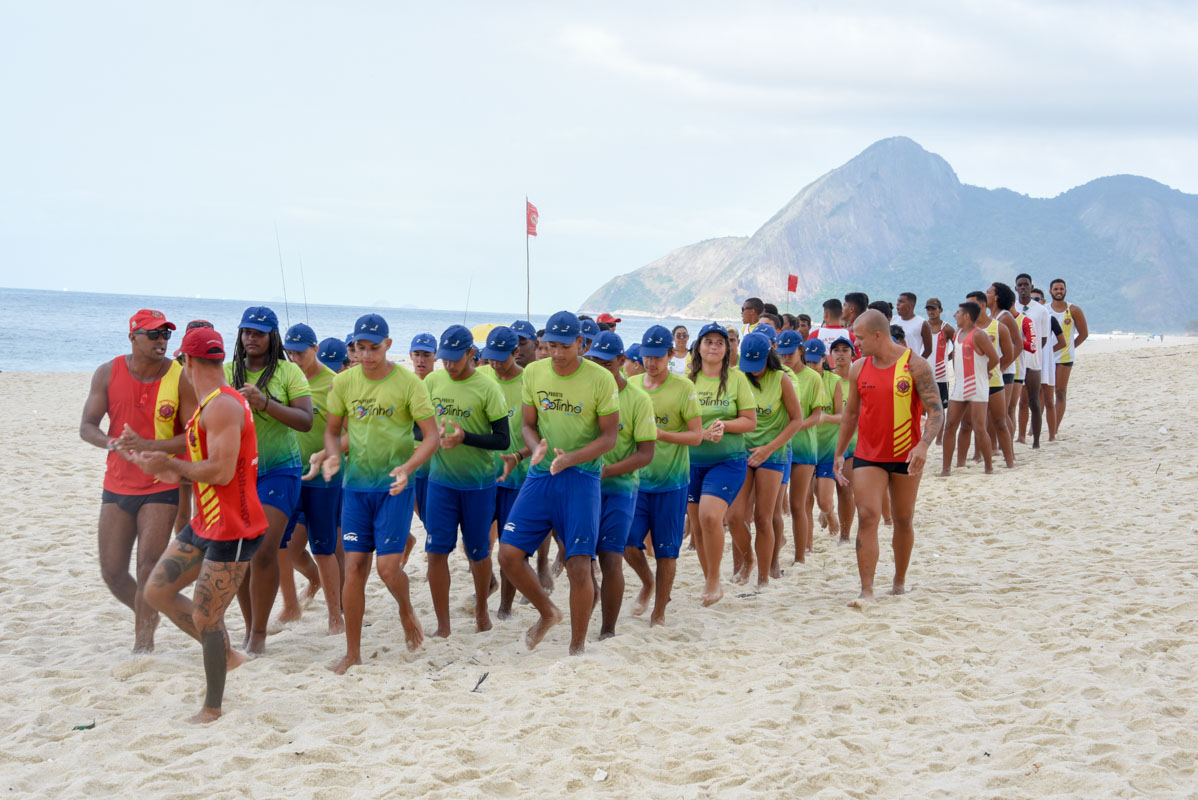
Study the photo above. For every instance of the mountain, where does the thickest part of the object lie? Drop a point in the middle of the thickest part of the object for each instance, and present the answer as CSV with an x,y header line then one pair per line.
x,y
896,218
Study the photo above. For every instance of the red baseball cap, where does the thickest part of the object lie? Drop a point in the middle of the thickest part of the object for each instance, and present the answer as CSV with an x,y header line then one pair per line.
x,y
202,343
607,319
147,320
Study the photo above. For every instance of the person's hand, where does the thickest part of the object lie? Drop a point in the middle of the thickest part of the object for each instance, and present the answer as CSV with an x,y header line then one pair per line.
x,y
916,458
401,480
452,434
758,455
156,463
253,395
561,461
540,453
714,432
313,465
330,464
510,462
129,440
816,414
838,471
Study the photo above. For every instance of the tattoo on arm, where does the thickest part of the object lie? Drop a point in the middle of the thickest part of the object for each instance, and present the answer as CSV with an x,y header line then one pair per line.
x,y
929,395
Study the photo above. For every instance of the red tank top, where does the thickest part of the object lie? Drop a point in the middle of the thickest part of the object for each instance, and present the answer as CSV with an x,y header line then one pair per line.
x,y
229,512
152,411
888,425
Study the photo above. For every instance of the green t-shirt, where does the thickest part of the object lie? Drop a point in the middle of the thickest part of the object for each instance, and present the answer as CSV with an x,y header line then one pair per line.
x,y
674,404
826,433
513,391
737,396
811,395
278,445
422,470
771,413
569,407
844,399
636,425
380,415
472,404
312,441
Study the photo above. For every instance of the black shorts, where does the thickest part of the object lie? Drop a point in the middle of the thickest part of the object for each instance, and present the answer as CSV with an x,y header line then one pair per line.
x,y
1008,378
943,392
893,467
132,503
225,552
996,389
1065,364
1019,380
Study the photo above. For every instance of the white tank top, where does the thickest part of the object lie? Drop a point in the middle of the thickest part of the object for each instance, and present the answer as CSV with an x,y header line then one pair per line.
x,y
971,374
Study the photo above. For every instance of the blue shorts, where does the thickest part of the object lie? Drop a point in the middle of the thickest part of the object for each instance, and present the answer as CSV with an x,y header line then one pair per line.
x,y
660,514
420,486
318,510
376,521
786,465
615,520
722,480
567,502
824,470
776,466
472,510
504,500
280,489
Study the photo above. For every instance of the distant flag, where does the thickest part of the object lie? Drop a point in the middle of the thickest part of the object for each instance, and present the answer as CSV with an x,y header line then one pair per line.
x,y
792,283
533,217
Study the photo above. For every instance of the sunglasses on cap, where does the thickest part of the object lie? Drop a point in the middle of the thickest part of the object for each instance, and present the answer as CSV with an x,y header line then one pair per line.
x,y
156,334
199,323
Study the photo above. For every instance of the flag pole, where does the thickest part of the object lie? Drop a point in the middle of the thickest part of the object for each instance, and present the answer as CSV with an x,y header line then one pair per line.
x,y
527,268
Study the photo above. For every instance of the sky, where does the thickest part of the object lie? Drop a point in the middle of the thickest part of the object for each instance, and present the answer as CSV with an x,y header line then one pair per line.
x,y
391,145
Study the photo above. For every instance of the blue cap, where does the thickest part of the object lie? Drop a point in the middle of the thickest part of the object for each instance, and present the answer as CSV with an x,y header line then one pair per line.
x,y
657,342
633,353
423,343
501,343
767,331
455,342
788,342
332,353
712,327
846,341
816,349
299,338
754,349
259,318
371,328
563,328
349,340
590,329
607,345
524,329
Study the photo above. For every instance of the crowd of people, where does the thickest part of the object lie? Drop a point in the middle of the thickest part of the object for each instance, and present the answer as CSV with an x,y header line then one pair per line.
x,y
313,456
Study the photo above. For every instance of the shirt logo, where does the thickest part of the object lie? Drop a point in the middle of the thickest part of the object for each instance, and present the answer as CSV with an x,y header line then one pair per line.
x,y
167,409
902,387
368,408
662,420
555,401
446,408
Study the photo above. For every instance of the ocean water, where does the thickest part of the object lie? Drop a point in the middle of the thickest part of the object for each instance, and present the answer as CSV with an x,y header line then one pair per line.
x,y
48,331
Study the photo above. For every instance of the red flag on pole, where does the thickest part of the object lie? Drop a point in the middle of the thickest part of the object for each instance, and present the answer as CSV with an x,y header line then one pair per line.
x,y
792,283
531,212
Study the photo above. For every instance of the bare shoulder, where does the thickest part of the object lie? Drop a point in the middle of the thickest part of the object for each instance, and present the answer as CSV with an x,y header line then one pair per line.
x,y
919,365
855,369
221,411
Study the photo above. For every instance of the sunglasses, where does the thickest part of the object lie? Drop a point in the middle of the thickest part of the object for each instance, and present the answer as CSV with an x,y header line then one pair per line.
x,y
191,326
155,335
682,336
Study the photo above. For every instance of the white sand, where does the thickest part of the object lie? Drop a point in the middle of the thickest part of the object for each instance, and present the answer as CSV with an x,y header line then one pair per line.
x,y
1049,649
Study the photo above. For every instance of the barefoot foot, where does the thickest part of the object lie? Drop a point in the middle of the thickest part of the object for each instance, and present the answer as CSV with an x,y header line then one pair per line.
x,y
643,598
204,715
541,627
712,596
342,666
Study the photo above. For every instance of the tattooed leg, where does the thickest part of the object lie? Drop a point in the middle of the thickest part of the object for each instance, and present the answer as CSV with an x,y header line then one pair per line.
x,y
177,567
215,589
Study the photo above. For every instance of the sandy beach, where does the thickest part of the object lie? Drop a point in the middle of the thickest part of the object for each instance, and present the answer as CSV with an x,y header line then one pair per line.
x,y
1049,648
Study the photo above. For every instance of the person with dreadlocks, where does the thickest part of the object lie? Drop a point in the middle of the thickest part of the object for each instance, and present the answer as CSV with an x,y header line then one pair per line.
x,y
280,398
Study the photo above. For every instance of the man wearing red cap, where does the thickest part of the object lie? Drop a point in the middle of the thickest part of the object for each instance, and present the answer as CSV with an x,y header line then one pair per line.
x,y
608,320
144,396
214,550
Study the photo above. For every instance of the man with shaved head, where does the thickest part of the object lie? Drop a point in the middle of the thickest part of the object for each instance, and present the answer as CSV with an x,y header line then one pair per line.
x,y
890,388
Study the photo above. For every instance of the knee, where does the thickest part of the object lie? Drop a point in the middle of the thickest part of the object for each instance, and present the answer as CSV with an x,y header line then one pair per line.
x,y
113,574
156,595
510,558
578,568
391,570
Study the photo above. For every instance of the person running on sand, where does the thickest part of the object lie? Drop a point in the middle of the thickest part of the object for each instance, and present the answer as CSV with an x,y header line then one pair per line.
x,y
278,394
974,356
889,389
472,421
314,521
214,549
145,398
379,402
662,492
719,463
570,419
620,478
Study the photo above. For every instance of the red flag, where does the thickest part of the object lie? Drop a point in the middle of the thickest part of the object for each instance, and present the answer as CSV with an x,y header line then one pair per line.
x,y
792,283
531,213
